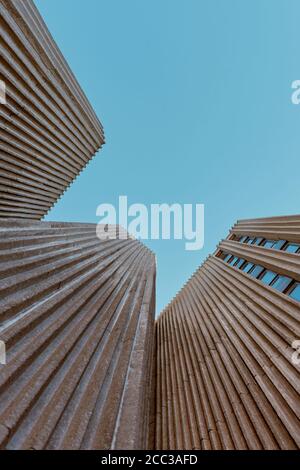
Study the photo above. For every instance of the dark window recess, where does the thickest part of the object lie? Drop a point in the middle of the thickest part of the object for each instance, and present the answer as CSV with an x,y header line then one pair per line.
x,y
295,292
268,277
247,267
226,257
281,283
233,261
292,248
250,241
243,239
256,271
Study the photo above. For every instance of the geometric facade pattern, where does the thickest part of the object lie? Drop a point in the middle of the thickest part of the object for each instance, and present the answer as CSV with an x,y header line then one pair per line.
x,y
87,366
77,318
225,376
48,129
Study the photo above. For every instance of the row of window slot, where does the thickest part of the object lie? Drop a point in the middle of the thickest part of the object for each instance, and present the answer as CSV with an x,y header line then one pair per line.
x,y
283,284
282,245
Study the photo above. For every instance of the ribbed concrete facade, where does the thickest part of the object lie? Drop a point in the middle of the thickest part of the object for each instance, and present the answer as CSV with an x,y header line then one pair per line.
x,y
225,376
48,130
77,317
76,313
87,368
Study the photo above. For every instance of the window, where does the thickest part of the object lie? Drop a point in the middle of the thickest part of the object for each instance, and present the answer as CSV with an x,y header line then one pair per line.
x,y
295,292
269,243
281,283
258,241
292,248
233,261
268,277
274,244
247,267
240,263
279,244
256,271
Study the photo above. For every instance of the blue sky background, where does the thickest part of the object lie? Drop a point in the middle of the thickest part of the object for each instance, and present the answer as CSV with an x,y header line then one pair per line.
x,y
195,100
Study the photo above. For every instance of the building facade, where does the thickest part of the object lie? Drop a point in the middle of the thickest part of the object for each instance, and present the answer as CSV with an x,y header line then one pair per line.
x,y
83,365
48,129
226,366
76,312
77,318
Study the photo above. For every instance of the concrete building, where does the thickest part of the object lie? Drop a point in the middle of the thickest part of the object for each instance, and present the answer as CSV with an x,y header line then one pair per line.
x,y
86,365
48,129
76,313
77,318
87,368
224,365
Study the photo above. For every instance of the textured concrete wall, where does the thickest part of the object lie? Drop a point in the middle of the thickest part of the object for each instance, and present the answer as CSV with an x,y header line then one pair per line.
x,y
225,379
48,130
77,314
77,317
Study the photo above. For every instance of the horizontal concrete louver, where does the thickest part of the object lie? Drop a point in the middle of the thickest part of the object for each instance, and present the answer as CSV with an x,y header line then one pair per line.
x,y
77,317
48,129
276,228
225,377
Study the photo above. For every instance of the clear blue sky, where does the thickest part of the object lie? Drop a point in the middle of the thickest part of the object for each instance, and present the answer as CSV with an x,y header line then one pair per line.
x,y
195,100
